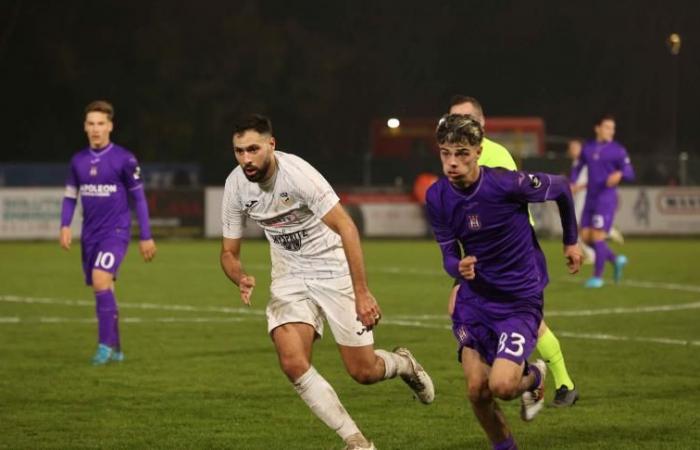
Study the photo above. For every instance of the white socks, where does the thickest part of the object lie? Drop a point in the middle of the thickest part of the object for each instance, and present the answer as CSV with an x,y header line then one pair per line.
x,y
324,402
393,363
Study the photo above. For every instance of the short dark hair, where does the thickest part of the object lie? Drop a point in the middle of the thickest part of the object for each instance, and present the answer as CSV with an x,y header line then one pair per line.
x,y
102,106
256,122
604,117
458,99
459,129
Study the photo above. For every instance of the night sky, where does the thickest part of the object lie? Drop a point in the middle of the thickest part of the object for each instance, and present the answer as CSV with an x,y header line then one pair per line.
x,y
178,72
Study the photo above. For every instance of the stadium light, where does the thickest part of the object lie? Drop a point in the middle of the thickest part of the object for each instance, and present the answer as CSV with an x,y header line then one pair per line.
x,y
674,43
393,123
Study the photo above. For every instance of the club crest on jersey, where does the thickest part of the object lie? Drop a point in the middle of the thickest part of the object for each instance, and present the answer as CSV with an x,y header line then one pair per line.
x,y
93,171
535,181
473,222
285,198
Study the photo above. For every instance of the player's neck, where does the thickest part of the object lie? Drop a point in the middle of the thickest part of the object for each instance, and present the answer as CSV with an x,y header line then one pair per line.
x,y
98,148
269,178
469,179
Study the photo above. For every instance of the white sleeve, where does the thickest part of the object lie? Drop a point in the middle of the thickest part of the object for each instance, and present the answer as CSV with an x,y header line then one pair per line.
x,y
231,214
314,190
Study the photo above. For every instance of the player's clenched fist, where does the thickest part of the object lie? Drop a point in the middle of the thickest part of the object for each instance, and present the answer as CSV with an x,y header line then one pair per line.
x,y
466,267
246,285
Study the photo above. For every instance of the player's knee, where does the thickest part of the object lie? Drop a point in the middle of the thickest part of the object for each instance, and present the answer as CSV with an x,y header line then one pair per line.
x,y
101,281
478,392
503,388
364,374
294,367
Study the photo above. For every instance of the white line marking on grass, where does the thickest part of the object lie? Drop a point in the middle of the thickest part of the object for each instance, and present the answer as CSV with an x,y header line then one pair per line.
x,y
591,336
648,285
582,312
634,310
124,320
399,320
610,337
399,323
153,306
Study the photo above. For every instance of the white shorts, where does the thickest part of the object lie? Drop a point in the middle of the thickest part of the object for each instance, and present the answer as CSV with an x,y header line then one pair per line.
x,y
312,300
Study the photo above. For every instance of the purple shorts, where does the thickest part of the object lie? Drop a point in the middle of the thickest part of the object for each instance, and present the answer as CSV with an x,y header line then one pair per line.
x,y
497,329
598,214
106,255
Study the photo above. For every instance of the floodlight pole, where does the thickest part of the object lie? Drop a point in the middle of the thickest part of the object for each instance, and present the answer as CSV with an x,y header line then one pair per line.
x,y
674,45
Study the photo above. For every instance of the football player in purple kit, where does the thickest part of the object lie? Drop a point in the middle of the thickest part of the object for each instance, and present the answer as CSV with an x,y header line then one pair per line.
x,y
499,303
608,164
105,175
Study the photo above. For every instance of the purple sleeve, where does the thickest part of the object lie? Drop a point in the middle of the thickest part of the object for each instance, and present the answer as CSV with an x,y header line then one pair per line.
x,y
67,210
449,245
131,173
542,187
71,179
131,176
141,207
625,165
71,197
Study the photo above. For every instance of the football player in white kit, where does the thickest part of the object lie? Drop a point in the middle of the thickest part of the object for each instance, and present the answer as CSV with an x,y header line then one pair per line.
x,y
578,189
317,272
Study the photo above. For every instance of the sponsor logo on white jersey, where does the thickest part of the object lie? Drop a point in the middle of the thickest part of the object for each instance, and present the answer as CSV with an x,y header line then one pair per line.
x,y
293,217
291,242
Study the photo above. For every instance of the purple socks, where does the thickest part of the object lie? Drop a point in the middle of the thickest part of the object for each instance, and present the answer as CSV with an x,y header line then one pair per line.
x,y
107,319
602,254
538,375
508,444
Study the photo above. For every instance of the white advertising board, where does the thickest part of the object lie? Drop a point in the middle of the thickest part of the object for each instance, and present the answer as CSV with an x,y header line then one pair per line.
x,y
641,211
33,213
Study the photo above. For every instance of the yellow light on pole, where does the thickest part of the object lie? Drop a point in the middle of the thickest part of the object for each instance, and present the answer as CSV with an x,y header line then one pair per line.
x,y
674,43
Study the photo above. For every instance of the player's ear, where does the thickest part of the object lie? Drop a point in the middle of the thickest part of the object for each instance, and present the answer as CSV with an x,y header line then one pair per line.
x,y
272,143
110,126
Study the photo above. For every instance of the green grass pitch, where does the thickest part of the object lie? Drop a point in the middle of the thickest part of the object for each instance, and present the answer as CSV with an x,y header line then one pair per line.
x,y
201,372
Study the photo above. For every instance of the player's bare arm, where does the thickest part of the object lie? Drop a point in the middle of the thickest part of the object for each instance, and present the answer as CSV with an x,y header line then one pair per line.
x,y
339,221
148,249
231,264
65,238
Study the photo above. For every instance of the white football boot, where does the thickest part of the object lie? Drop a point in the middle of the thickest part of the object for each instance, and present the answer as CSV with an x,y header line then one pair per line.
x,y
533,401
418,380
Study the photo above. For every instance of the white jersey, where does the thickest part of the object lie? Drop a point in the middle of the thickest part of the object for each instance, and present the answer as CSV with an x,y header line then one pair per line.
x,y
289,207
580,196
